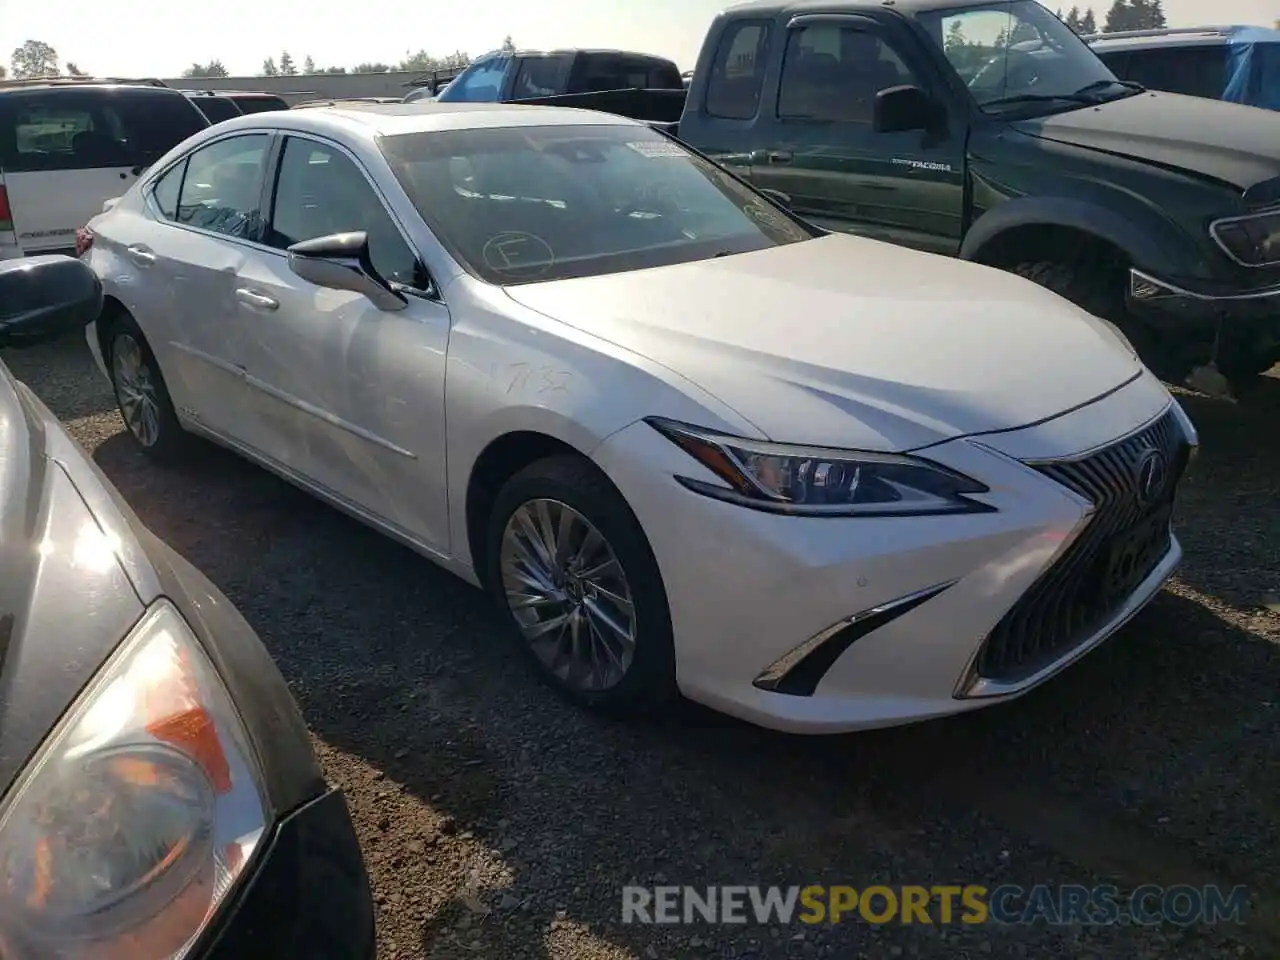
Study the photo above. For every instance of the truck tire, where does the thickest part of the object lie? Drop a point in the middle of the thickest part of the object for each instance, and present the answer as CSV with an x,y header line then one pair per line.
x,y
1094,289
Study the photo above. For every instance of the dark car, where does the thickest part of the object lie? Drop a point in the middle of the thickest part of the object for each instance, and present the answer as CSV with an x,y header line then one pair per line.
x,y
159,796
214,106
1240,64
249,101
991,132
521,75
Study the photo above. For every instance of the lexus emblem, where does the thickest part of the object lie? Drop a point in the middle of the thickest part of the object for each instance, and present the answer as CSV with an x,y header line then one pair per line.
x,y
1153,470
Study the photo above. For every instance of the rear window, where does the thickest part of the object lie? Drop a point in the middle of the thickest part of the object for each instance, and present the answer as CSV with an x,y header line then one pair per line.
x,y
216,109
86,130
259,104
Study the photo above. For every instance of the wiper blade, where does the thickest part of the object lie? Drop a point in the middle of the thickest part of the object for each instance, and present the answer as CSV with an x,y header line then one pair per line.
x,y
1103,84
1039,98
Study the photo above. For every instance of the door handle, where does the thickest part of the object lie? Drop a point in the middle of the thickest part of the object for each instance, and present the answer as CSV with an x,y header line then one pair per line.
x,y
140,255
259,301
778,156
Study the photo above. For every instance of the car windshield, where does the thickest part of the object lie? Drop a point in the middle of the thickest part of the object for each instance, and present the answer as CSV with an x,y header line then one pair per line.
x,y
1016,55
528,203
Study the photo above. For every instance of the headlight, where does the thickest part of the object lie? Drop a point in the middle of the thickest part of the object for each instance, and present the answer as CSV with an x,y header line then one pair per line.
x,y
1251,241
137,815
813,481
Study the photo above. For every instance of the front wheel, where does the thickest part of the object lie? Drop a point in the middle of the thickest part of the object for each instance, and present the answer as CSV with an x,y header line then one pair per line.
x,y
571,565
141,394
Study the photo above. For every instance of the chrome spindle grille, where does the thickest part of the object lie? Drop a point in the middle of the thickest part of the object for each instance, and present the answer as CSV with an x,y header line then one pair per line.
x,y
1124,541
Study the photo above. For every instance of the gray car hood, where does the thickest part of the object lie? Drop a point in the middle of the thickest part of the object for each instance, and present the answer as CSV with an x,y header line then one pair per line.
x,y
66,600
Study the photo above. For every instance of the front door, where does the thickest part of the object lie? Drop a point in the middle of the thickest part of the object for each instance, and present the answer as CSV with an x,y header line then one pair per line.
x,y
343,394
820,147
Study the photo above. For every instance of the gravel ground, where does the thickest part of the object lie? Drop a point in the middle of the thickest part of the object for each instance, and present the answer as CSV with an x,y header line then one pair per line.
x,y
499,822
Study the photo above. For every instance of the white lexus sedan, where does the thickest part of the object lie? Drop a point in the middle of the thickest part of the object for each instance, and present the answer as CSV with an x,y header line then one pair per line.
x,y
690,442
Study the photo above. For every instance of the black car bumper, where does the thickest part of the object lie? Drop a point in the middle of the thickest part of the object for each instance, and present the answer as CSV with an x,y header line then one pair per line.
x,y
308,895
1243,325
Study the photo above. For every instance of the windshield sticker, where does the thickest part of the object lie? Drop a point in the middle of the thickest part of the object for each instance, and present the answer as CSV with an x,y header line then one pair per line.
x,y
655,149
518,254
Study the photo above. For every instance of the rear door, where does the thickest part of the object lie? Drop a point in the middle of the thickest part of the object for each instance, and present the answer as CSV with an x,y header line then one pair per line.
x,y
207,224
723,124
540,76
64,152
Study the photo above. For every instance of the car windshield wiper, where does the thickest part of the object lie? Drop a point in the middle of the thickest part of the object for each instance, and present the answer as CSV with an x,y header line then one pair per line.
x,y
1039,98
1100,85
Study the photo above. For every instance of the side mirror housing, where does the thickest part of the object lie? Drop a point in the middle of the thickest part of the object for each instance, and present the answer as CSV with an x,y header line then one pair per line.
x,y
340,261
903,108
777,196
41,298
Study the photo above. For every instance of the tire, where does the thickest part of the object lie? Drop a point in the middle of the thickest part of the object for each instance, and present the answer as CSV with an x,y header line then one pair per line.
x,y
138,384
1095,288
634,679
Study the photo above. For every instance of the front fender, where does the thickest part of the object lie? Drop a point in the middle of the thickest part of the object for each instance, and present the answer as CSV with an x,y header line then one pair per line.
x,y
1151,243
513,370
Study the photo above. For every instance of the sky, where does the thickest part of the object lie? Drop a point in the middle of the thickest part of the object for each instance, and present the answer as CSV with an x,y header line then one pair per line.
x,y
162,38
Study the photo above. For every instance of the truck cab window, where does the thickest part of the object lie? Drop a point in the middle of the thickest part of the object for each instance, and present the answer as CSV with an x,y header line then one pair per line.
x,y
737,74
479,83
833,73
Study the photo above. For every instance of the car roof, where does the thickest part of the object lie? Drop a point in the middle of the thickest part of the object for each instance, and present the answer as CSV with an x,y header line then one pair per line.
x,y
1179,37
115,89
390,119
908,8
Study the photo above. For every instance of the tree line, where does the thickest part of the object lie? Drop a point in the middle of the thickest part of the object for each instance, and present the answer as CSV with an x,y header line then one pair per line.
x,y
35,59
1123,15
286,66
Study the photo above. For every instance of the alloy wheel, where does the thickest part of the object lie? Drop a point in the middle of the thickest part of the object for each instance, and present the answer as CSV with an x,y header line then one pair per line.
x,y
136,390
569,595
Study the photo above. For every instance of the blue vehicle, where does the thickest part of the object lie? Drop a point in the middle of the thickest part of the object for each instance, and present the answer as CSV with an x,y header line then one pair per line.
x,y
1240,64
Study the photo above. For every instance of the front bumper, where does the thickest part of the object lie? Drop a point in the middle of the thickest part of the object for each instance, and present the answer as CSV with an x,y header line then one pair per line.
x,y
747,590
308,894
1193,313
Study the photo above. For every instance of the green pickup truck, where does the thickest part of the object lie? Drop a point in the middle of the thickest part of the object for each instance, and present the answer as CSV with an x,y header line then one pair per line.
x,y
991,132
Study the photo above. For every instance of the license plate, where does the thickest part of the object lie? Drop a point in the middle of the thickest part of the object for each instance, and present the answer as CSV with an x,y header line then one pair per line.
x,y
1135,554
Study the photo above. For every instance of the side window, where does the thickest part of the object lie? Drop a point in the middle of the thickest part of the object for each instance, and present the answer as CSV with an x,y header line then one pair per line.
x,y
539,77
833,73
320,191
55,132
222,189
479,83
737,73
600,71
165,191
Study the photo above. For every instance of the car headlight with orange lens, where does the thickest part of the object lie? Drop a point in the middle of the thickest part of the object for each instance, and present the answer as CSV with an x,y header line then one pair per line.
x,y
136,817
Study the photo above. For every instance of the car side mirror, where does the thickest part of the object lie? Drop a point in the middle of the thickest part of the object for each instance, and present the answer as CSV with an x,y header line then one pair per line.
x,y
777,196
41,298
341,261
903,108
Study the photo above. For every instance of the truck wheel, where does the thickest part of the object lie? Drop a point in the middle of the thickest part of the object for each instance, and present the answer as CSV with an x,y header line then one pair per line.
x,y
1096,290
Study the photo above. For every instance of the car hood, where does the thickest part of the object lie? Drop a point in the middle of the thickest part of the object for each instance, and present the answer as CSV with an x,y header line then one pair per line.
x,y
842,340
66,601
1233,144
